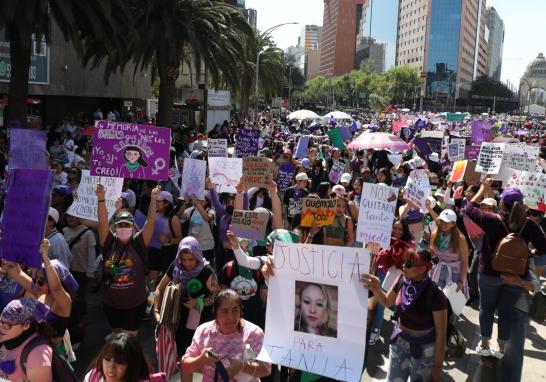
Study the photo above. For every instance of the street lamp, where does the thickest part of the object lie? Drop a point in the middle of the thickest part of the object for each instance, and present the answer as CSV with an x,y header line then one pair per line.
x,y
264,35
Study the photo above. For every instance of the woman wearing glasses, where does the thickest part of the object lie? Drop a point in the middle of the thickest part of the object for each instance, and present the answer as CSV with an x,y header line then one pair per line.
x,y
419,335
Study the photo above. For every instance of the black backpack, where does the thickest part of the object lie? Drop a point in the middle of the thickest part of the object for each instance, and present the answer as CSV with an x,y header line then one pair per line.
x,y
60,370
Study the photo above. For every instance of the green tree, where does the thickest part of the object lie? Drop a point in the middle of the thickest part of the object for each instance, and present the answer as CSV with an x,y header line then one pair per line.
x,y
402,82
486,86
97,29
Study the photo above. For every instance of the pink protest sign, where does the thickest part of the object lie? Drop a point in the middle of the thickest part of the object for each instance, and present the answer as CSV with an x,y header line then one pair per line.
x,y
130,151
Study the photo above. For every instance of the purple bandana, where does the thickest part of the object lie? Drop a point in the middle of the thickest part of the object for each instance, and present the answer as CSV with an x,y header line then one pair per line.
x,y
180,274
412,290
25,310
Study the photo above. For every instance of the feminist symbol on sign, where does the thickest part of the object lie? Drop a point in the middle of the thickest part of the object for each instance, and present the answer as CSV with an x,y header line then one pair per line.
x,y
159,165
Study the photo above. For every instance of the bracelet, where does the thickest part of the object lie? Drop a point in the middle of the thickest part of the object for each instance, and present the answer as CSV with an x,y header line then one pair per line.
x,y
101,200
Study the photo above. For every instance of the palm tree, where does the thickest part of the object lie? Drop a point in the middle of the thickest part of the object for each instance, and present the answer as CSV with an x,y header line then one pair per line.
x,y
97,29
195,32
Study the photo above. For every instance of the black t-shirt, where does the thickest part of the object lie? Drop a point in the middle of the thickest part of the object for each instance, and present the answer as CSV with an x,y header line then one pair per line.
x,y
293,198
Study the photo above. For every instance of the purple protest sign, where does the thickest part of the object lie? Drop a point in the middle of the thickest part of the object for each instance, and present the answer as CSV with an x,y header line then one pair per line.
x,y
301,148
130,151
480,131
345,133
25,212
247,143
27,148
284,177
471,152
422,145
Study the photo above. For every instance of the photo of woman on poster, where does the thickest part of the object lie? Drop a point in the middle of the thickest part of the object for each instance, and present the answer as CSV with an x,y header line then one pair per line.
x,y
316,309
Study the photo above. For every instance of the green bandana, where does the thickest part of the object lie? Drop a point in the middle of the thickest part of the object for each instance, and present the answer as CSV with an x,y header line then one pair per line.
x,y
132,166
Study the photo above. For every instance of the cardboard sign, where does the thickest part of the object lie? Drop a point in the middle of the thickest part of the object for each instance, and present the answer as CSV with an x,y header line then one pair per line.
x,y
301,148
531,184
27,149
217,148
336,139
521,157
193,179
418,188
331,342
249,224
285,175
457,174
85,205
335,173
256,172
225,173
247,143
376,214
25,212
318,211
130,151
471,176
490,158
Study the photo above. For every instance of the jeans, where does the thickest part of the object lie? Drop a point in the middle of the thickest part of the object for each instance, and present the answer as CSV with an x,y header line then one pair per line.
x,y
512,362
403,365
377,322
495,294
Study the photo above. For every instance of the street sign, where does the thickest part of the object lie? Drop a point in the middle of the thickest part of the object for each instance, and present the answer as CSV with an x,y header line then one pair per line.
x,y
38,71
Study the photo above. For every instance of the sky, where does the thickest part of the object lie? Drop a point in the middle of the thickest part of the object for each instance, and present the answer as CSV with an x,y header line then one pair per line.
x,y
523,22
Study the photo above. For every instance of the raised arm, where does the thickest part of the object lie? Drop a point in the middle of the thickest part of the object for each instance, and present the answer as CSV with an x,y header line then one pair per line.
x,y
276,206
60,296
102,214
148,229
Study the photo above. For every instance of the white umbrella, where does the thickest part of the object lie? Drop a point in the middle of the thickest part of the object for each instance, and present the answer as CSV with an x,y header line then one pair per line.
x,y
303,114
337,115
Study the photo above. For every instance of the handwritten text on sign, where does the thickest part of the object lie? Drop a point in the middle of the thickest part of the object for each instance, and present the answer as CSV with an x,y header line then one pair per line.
x,y
130,151
376,214
217,148
521,157
531,184
418,188
490,158
256,172
249,224
319,211
247,143
340,356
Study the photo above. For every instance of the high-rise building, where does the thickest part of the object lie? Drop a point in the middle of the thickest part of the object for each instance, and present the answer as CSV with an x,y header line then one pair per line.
x,y
252,15
341,23
310,38
447,39
495,44
377,35
308,60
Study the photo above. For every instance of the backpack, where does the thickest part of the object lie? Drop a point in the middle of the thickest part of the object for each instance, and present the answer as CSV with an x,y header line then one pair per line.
x,y
60,370
511,254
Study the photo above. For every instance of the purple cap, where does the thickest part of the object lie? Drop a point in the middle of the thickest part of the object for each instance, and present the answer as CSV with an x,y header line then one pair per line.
x,y
511,195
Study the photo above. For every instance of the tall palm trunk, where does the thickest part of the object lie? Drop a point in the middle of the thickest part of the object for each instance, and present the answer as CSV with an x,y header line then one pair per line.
x,y
20,62
168,74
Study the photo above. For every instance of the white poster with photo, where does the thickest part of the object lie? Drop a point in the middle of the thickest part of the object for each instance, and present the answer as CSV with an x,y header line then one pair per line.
x,y
193,179
316,310
217,148
462,144
85,204
521,157
490,158
418,188
376,214
225,173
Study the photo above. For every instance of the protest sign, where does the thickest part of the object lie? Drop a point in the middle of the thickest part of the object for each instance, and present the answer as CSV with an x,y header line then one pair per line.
x,y
345,133
249,224
318,211
462,144
336,171
531,184
217,148
457,174
471,176
376,214
247,143
285,175
130,151
453,151
407,133
85,205
301,148
455,116
490,158
332,342
256,172
418,188
193,179
471,151
25,212
225,173
27,149
521,157
481,131
336,138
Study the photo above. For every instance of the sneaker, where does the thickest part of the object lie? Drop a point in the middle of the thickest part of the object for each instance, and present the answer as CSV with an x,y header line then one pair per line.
x,y
497,353
374,336
483,351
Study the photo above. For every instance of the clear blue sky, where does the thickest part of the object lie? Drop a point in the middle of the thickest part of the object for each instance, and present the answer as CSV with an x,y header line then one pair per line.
x,y
523,21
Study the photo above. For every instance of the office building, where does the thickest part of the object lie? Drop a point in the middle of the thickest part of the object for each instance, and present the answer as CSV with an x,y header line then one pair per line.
x,y
377,35
495,44
252,15
446,39
341,23
308,60
310,38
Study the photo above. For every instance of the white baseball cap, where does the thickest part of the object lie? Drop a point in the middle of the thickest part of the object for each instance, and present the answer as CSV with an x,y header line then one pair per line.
x,y
302,176
345,178
489,202
54,214
448,216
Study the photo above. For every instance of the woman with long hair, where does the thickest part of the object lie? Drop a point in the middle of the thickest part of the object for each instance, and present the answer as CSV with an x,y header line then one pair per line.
x,y
341,231
314,311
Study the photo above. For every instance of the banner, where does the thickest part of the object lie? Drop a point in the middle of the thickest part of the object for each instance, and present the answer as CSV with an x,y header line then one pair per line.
x,y
285,175
130,151
418,188
532,185
217,148
455,117
25,212
247,143
326,340
249,224
256,172
521,157
318,211
225,173
336,171
481,131
471,152
193,179
490,158
376,214
301,148
85,204
27,149
336,139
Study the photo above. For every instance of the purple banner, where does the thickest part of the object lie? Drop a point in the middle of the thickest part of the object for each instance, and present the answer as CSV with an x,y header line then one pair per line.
x,y
284,177
27,149
480,131
471,152
130,151
247,143
25,212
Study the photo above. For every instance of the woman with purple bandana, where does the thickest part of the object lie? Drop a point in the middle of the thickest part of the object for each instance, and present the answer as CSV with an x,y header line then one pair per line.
x,y
18,327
